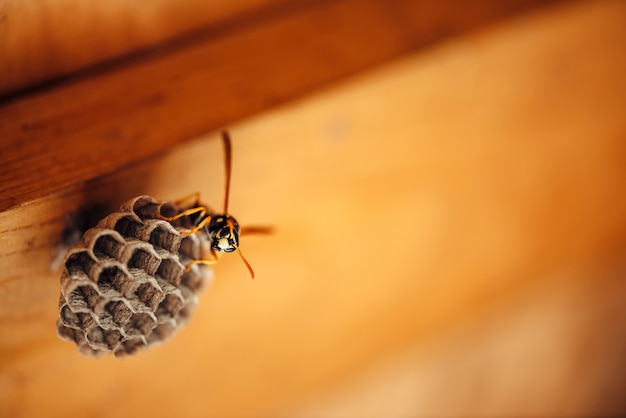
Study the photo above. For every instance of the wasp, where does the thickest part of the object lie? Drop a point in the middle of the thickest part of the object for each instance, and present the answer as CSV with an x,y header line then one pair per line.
x,y
221,229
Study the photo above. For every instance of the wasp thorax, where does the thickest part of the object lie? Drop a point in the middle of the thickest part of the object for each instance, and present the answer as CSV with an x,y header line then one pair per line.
x,y
223,230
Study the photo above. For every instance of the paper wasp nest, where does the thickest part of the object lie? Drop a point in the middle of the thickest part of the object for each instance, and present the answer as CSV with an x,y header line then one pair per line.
x,y
124,286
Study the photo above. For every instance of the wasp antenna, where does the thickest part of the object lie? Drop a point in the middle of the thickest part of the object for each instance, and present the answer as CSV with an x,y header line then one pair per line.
x,y
246,263
227,164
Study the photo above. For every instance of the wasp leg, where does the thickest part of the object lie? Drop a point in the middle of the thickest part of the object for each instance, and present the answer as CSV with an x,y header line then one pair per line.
x,y
200,209
195,196
197,227
202,212
203,261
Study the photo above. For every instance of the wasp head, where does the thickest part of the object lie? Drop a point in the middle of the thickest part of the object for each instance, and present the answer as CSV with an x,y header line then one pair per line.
x,y
223,231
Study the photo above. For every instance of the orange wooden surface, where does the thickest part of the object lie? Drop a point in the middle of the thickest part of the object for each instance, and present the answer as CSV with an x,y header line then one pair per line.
x,y
45,39
96,122
450,237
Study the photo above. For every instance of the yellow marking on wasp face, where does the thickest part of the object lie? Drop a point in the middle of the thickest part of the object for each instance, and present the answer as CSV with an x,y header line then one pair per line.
x,y
223,244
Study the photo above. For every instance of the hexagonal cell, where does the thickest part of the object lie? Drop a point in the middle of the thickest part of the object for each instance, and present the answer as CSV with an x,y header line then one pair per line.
x,y
69,283
84,298
113,281
130,205
130,346
108,246
100,339
165,237
170,306
144,259
150,295
78,320
170,270
187,311
69,318
168,209
166,287
80,261
127,226
145,207
70,334
114,315
196,278
190,249
161,333
140,324
86,350
186,293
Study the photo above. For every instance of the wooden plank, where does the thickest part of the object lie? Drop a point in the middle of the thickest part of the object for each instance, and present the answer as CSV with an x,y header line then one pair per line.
x,y
140,107
38,42
434,198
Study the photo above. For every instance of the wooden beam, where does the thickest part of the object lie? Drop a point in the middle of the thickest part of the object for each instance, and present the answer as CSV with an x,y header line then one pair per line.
x,y
98,121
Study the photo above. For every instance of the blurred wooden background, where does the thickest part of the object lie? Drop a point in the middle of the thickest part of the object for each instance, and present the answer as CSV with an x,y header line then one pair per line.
x,y
449,207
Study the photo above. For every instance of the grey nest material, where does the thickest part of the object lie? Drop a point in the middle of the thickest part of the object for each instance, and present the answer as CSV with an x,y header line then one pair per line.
x,y
124,287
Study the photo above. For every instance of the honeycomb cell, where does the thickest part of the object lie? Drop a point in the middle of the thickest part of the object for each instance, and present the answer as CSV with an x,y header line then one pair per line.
x,y
149,295
115,314
162,332
71,334
167,288
143,258
102,339
128,226
140,324
114,282
170,307
170,270
144,207
165,237
187,311
76,320
108,245
192,279
84,298
191,248
130,346
78,262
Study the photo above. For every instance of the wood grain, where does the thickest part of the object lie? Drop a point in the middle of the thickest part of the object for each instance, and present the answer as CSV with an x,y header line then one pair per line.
x,y
48,39
94,124
450,239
